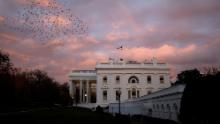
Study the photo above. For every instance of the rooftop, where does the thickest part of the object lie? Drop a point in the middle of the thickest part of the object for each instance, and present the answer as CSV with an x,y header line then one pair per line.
x,y
83,71
131,64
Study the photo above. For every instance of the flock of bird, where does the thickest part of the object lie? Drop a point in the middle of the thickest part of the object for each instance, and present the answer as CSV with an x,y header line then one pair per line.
x,y
46,22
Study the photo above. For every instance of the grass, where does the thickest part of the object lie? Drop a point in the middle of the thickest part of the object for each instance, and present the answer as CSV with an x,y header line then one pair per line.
x,y
58,116
72,116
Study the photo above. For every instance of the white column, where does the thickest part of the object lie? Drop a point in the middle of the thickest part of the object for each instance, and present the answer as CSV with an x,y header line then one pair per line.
x,y
74,89
71,89
80,91
87,91
84,91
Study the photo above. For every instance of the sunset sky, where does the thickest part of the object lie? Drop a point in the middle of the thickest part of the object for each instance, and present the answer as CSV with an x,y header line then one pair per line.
x,y
185,34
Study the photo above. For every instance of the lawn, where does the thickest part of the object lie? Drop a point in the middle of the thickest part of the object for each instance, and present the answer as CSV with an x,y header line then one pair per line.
x,y
71,116
59,116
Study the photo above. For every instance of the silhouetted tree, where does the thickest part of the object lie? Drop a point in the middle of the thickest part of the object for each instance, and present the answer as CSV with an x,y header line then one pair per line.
x,y
5,64
200,94
65,98
188,76
6,81
28,88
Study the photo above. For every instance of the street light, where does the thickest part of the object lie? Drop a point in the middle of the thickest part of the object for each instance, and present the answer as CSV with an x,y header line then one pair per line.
x,y
119,101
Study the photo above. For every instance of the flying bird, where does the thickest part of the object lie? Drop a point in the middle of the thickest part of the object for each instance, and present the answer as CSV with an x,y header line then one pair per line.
x,y
45,23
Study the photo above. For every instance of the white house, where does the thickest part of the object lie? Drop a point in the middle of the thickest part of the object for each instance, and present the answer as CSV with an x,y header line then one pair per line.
x,y
113,79
143,88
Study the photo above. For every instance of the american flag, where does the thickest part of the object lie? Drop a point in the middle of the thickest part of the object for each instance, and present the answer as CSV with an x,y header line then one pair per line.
x,y
120,48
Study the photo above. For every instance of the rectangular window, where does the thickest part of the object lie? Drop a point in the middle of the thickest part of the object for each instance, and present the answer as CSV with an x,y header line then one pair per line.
x,y
161,79
117,94
105,79
104,95
117,79
149,92
129,94
149,79
138,93
133,94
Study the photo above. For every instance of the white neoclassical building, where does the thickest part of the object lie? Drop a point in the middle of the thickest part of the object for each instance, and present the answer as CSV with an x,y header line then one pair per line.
x,y
163,104
114,80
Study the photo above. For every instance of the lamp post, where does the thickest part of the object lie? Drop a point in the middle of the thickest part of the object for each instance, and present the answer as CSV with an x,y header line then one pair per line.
x,y
119,101
76,96
72,101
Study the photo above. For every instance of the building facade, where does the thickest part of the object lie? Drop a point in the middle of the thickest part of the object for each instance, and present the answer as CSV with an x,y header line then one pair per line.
x,y
163,104
114,80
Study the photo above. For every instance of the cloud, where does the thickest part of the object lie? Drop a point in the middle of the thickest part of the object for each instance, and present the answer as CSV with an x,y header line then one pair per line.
x,y
164,52
1,19
115,36
20,57
9,38
42,3
182,34
57,21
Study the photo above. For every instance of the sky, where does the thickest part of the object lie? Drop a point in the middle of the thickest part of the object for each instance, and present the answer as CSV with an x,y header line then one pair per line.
x,y
184,34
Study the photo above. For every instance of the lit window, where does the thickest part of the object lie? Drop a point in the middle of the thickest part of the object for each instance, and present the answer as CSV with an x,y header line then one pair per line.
x,y
161,79
149,79
105,95
105,79
117,79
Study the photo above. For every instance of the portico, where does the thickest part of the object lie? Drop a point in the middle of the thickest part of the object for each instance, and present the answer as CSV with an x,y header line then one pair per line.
x,y
83,86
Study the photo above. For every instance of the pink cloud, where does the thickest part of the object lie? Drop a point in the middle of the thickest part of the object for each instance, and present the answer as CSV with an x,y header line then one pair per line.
x,y
23,58
2,19
42,3
90,59
9,38
163,52
57,21
182,34
91,40
115,36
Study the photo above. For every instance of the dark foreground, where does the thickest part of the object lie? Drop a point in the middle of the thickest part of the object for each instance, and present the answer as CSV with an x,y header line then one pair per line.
x,y
73,116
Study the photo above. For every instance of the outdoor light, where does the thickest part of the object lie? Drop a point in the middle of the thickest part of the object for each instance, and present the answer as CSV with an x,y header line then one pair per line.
x,y
85,95
119,101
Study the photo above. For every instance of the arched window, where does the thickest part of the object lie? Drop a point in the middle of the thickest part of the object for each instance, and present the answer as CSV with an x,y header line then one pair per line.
x,y
133,79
